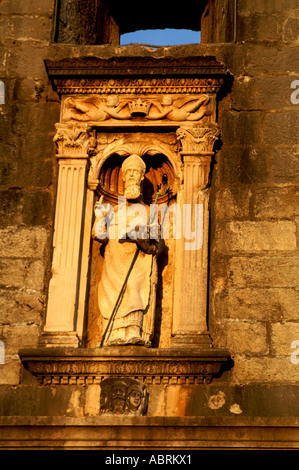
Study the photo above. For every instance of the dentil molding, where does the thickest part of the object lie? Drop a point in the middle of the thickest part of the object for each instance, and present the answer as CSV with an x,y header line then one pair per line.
x,y
62,366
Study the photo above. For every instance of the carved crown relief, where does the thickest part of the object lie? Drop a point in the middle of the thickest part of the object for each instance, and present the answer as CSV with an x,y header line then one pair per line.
x,y
173,108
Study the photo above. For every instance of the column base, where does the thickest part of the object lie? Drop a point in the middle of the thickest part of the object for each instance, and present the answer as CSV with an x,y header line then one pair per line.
x,y
59,339
200,341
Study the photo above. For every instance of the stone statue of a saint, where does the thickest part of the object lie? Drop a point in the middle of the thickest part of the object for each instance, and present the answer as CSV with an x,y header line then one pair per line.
x,y
124,229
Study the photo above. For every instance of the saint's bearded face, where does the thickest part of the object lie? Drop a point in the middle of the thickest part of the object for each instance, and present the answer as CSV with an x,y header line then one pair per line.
x,y
132,179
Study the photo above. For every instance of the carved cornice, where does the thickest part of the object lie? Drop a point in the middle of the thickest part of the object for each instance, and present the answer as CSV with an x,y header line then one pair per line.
x,y
150,366
128,65
136,75
139,86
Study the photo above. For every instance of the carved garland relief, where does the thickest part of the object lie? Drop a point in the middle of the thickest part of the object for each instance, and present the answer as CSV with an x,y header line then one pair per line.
x,y
95,109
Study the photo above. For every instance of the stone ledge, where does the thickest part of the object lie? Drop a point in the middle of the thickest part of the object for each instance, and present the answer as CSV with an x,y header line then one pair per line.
x,y
186,433
119,66
63,366
137,74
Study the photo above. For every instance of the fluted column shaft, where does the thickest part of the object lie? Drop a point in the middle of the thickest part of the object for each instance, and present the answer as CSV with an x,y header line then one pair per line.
x,y
191,271
72,144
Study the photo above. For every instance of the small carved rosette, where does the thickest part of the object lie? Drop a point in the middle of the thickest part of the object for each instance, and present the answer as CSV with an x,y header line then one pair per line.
x,y
123,396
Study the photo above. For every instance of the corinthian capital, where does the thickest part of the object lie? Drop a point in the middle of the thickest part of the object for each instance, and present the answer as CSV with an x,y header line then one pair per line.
x,y
198,139
73,140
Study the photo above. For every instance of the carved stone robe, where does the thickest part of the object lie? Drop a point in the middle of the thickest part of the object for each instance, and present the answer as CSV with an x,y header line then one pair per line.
x,y
137,306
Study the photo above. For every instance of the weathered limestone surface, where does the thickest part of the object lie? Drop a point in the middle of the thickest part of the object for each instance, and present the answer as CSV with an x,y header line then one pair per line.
x,y
254,249
253,270
153,434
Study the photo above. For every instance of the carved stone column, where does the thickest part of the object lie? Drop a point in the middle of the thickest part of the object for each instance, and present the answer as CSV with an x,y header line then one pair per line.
x,y
72,144
191,275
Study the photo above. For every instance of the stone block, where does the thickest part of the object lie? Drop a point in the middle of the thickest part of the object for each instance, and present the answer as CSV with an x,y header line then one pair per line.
x,y
26,7
177,400
37,120
233,57
266,6
5,29
245,338
258,27
9,154
23,242
30,28
18,336
28,151
30,173
267,60
264,370
31,208
280,127
248,236
290,31
258,304
37,208
10,371
267,271
24,89
11,204
92,403
241,127
12,273
17,306
232,203
34,279
4,54
282,337
285,165
242,164
26,60
6,114
276,202
261,92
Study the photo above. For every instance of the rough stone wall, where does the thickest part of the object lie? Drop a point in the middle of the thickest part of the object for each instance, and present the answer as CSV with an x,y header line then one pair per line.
x,y
253,257
28,175
254,251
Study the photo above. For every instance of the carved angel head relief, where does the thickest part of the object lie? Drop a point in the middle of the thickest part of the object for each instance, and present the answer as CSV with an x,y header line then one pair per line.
x,y
123,395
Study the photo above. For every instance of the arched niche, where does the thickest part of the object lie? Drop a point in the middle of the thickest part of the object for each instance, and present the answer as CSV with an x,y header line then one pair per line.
x,y
111,182
110,186
160,154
